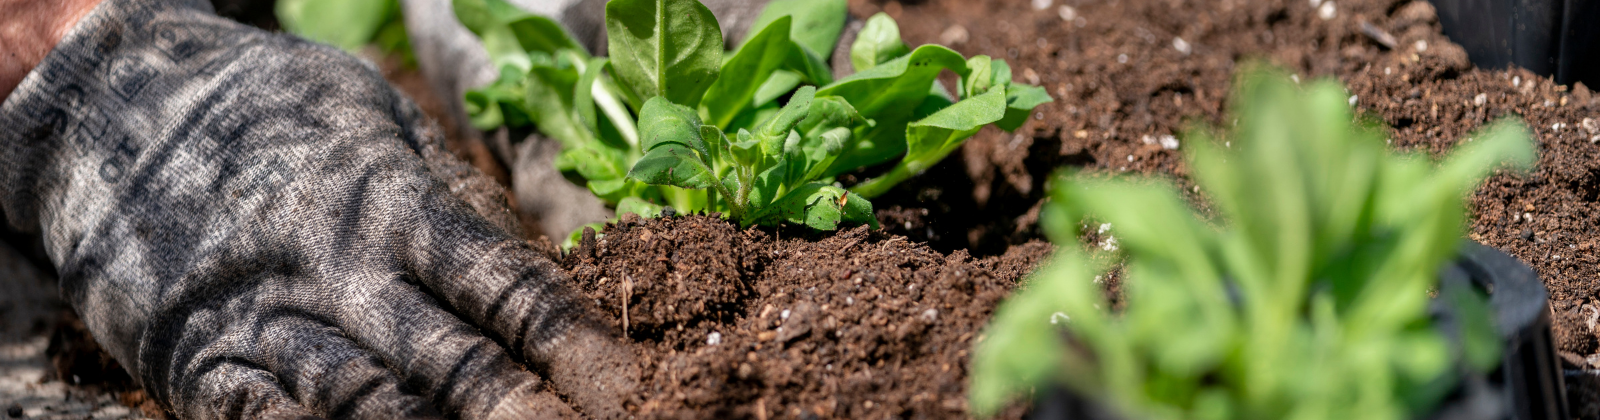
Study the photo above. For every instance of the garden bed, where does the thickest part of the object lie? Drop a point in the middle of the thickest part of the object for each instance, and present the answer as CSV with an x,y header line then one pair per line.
x,y
1125,74
1428,96
880,323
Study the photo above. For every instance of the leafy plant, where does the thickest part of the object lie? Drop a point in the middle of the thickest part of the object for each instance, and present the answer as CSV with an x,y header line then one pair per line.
x,y
1307,300
710,133
768,172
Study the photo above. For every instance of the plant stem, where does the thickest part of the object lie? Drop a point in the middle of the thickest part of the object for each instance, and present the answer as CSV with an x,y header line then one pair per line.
x,y
740,203
608,103
619,115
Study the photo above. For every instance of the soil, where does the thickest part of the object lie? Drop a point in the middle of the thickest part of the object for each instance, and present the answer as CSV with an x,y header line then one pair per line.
x,y
1120,80
879,322
734,323
75,358
50,367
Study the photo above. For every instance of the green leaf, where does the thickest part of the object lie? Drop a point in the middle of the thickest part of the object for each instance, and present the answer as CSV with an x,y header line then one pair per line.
x,y
640,207
549,102
817,23
673,164
982,76
685,200
745,74
894,88
347,24
1020,101
675,153
819,206
767,185
593,163
484,105
549,96
929,140
539,33
827,113
812,67
583,95
878,42
716,147
613,191
816,154
669,48
1020,98
775,130
999,73
781,82
824,133
609,189
509,34
475,15
664,122
890,94
745,149
484,113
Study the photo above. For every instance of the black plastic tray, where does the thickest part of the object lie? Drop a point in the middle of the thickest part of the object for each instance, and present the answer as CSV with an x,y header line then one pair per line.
x,y
1528,385
1559,38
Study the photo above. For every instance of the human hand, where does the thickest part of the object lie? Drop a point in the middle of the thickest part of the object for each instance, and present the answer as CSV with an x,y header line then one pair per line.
x,y
261,227
28,30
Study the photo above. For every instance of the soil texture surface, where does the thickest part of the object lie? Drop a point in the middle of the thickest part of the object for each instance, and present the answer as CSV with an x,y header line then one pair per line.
x,y
1126,74
735,323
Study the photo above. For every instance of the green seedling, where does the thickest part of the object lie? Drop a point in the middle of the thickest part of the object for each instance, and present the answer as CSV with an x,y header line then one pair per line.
x,y
673,119
765,176
1305,299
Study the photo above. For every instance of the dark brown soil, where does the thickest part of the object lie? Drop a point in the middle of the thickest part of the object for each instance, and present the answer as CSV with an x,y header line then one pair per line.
x,y
745,324
1118,76
1119,84
78,360
859,340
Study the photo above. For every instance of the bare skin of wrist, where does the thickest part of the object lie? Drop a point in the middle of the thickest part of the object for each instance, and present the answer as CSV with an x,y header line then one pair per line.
x,y
29,29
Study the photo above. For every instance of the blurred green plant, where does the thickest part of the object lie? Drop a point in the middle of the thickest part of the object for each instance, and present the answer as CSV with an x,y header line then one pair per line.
x,y
348,24
757,133
1307,300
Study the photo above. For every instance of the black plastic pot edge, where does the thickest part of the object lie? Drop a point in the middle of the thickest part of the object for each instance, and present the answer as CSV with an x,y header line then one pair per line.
x,y
1528,384
1556,38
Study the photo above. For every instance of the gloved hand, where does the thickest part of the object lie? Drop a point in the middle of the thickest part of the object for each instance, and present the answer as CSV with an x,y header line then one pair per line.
x,y
257,226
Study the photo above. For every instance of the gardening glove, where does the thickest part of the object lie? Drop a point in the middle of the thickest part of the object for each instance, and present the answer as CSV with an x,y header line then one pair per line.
x,y
259,226
454,61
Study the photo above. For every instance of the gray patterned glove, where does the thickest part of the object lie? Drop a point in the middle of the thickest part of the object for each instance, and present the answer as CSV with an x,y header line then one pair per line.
x,y
257,226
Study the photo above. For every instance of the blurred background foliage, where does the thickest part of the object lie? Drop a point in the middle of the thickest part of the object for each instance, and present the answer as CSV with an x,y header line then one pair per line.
x,y
348,24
